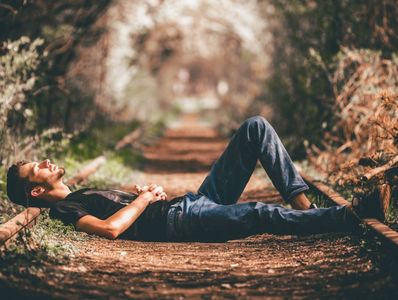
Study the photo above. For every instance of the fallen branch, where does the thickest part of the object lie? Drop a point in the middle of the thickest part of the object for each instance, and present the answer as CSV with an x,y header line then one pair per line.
x,y
87,170
367,176
10,8
129,139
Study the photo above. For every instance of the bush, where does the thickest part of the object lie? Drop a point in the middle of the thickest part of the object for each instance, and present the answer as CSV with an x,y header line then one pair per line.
x,y
308,36
18,65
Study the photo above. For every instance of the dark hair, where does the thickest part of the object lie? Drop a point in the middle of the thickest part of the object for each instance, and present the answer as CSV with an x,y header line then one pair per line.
x,y
18,188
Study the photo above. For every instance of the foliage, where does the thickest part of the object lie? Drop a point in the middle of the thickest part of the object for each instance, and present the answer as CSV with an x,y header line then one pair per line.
x,y
18,64
102,135
365,130
308,36
365,119
38,39
335,77
114,174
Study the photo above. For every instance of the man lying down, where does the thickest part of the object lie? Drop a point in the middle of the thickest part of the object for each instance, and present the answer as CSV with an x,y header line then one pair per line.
x,y
210,214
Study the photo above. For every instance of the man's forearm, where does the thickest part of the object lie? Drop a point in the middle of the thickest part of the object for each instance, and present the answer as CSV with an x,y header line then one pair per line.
x,y
125,217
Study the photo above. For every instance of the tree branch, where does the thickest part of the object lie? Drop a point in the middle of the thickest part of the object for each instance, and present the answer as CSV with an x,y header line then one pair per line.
x,y
367,176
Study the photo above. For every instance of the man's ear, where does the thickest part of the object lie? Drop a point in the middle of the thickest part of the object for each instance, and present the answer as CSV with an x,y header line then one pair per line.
x,y
37,191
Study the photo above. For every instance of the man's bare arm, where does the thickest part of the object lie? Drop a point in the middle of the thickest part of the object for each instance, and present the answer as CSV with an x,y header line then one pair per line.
x,y
120,221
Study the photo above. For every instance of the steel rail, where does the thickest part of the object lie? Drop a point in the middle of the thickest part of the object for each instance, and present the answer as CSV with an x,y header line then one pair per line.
x,y
29,217
383,231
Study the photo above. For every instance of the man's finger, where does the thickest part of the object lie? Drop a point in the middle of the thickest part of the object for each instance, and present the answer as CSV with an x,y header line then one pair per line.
x,y
152,186
157,190
145,188
138,188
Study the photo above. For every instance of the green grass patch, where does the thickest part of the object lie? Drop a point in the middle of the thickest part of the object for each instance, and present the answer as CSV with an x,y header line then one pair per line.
x,y
101,136
50,241
392,215
113,173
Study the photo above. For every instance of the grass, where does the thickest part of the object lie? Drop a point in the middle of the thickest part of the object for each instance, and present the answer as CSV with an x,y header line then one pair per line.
x,y
50,241
113,173
102,136
318,199
392,215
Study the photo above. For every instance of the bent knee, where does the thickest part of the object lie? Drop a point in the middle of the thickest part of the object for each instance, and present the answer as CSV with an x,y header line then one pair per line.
x,y
257,121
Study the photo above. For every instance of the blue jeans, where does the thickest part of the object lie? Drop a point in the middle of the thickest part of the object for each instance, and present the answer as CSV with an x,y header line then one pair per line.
x,y
212,214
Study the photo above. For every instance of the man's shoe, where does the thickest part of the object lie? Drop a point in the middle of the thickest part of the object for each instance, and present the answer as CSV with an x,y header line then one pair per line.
x,y
374,205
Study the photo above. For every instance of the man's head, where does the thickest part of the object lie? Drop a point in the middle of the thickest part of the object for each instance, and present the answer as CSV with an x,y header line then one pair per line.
x,y
33,183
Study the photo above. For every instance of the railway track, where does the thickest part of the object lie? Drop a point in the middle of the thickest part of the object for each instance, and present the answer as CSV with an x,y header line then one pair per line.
x,y
330,265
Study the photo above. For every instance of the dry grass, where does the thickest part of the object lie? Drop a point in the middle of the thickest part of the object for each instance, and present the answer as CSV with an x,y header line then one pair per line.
x,y
365,133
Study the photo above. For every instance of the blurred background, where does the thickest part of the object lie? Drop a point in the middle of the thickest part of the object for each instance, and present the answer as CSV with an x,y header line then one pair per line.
x,y
78,75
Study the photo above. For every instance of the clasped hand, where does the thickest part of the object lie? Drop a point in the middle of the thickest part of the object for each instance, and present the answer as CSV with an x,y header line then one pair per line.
x,y
153,191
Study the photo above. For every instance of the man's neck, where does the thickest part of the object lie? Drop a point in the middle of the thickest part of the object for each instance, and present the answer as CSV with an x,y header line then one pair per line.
x,y
59,192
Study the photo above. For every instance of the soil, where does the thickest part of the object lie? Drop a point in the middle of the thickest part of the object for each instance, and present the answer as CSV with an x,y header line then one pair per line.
x,y
333,265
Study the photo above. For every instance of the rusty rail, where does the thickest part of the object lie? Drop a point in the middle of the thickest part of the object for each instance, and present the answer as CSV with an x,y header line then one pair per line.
x,y
29,217
383,231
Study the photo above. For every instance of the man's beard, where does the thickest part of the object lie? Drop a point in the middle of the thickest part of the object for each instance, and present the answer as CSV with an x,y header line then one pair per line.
x,y
61,172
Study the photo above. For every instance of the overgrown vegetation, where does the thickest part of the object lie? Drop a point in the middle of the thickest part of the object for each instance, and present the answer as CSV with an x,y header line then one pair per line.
x,y
335,77
38,40
309,37
365,132
18,67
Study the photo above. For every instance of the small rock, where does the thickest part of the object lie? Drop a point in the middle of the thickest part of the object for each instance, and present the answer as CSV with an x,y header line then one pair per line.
x,y
239,285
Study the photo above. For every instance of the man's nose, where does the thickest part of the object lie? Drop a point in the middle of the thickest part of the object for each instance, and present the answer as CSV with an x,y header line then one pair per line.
x,y
45,163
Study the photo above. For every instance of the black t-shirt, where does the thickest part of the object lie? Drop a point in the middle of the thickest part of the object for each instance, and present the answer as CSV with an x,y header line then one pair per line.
x,y
150,225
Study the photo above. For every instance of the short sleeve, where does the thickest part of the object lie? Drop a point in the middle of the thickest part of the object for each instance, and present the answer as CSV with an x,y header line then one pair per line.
x,y
69,212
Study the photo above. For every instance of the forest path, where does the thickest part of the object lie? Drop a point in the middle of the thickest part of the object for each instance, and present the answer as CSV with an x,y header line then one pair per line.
x,y
316,266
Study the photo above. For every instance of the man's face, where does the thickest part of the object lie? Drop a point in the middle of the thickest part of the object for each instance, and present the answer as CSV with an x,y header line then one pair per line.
x,y
42,172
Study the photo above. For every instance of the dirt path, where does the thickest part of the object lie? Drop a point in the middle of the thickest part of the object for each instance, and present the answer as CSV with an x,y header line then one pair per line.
x,y
317,266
